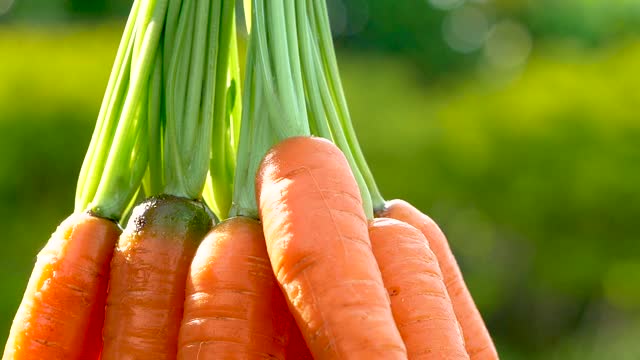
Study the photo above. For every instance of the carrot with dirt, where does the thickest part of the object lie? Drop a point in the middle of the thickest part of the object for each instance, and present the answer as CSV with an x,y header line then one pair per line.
x,y
148,277
419,300
151,262
330,102
62,311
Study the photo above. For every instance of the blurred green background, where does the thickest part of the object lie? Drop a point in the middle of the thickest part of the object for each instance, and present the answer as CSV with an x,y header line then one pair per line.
x,y
513,123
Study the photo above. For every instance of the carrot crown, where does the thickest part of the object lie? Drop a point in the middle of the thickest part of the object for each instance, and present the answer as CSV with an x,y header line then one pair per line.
x,y
117,156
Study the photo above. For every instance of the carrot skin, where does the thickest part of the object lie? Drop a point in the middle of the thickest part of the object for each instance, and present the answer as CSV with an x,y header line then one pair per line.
x,y
419,300
318,243
61,313
476,336
148,275
234,308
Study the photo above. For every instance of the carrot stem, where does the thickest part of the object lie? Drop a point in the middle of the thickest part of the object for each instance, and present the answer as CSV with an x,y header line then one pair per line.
x,y
234,103
102,138
316,111
196,84
282,91
126,162
222,162
292,73
255,140
326,99
155,124
170,31
274,105
197,52
179,76
329,68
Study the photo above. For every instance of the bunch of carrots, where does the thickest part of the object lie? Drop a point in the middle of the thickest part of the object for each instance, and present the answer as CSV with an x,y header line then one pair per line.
x,y
253,227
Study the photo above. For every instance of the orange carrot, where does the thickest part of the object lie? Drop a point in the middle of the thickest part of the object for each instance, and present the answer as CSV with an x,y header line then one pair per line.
x,y
234,308
419,300
148,275
477,339
318,243
61,313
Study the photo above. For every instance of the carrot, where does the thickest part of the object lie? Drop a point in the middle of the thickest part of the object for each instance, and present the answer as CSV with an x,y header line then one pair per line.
x,y
234,307
419,300
476,336
61,313
317,239
148,275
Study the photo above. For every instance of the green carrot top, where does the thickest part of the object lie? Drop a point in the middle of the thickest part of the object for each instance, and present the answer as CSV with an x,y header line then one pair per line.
x,y
332,93
292,88
191,80
226,115
168,85
117,156
189,60
274,106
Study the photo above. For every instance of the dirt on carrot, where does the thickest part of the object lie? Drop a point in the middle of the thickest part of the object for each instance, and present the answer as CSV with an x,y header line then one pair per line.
x,y
148,277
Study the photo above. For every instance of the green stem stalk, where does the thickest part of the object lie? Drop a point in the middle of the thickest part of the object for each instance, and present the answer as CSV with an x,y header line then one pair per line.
x,y
244,201
191,52
333,117
274,108
234,100
293,89
320,16
315,112
96,156
280,87
127,159
222,162
155,124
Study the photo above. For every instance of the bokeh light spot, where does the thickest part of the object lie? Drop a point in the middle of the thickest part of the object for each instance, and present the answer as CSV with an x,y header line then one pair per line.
x,y
338,16
5,6
347,18
358,16
465,29
508,45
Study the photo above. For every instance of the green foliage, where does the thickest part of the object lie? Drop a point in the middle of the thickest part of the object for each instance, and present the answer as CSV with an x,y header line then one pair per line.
x,y
534,177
